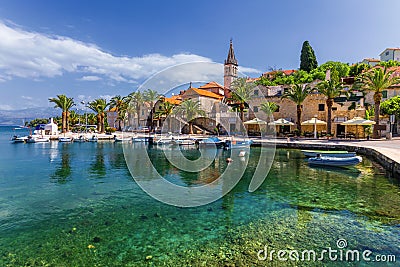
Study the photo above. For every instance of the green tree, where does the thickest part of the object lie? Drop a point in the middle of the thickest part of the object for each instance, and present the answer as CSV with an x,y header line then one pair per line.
x,y
357,69
376,80
330,89
136,101
269,108
297,93
342,69
241,94
165,109
308,60
99,106
151,96
190,108
65,104
391,106
119,104
35,122
389,64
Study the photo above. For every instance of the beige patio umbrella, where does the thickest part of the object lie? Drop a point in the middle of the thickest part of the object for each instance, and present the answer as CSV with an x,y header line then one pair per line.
x,y
357,121
315,122
281,122
255,121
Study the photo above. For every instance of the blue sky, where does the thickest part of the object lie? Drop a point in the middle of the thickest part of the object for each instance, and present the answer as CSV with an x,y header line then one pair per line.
x,y
88,49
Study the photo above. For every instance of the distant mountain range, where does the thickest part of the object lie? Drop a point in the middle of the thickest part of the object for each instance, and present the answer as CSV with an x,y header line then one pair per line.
x,y
18,117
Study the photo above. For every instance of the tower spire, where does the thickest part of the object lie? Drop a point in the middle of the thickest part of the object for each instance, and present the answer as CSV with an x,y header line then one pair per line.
x,y
231,59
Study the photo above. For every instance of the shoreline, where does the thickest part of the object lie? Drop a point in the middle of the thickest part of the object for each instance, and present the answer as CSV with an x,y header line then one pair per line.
x,y
385,152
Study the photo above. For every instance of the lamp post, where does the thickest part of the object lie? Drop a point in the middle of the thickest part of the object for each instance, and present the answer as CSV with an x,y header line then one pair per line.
x,y
84,103
315,126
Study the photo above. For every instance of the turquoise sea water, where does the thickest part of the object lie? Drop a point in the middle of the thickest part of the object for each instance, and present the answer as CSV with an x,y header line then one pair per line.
x,y
77,205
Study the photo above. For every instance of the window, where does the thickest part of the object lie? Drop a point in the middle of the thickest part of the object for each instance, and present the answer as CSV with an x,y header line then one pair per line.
x,y
277,108
321,107
142,112
334,108
255,92
384,94
387,53
255,109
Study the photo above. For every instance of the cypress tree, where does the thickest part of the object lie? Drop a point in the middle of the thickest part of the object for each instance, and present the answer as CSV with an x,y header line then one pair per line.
x,y
308,61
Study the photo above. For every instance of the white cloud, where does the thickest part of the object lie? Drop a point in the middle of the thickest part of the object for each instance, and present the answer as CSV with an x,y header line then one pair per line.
x,y
31,55
5,107
249,70
90,78
106,97
26,97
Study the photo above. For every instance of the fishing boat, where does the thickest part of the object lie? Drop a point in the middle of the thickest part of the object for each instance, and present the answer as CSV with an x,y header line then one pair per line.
x,y
64,139
185,142
232,144
37,139
165,141
16,138
335,161
210,142
80,139
140,139
93,139
19,139
327,153
122,139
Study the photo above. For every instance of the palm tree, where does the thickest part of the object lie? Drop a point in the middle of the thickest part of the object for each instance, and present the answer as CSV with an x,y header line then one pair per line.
x,y
190,109
241,94
136,100
118,102
330,89
99,106
73,118
65,104
151,96
165,109
91,117
377,80
269,108
297,93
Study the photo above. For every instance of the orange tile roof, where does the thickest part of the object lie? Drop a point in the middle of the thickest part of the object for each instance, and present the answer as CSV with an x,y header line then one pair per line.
x,y
252,79
174,100
211,85
114,109
206,93
286,72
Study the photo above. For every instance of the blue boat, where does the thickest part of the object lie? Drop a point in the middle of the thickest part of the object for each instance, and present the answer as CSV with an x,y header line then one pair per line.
x,y
334,161
210,142
229,144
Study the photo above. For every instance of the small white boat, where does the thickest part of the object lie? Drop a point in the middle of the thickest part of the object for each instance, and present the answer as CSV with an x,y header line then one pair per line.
x,y
232,144
80,139
64,139
122,139
165,141
93,139
334,161
19,139
184,142
140,139
328,153
37,139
